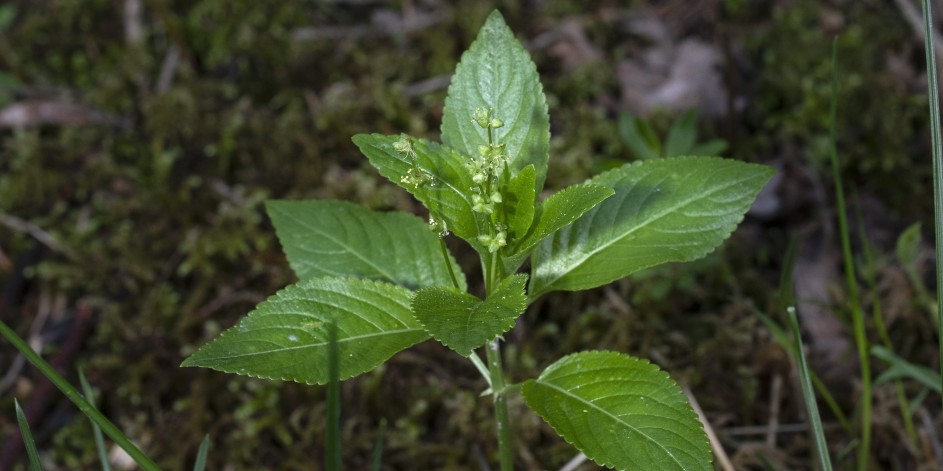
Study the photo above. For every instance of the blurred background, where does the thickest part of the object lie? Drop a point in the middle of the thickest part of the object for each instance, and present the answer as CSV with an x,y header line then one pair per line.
x,y
139,139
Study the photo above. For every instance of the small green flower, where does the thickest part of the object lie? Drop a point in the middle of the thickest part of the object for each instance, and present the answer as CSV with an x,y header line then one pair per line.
x,y
495,242
403,146
479,205
438,227
482,117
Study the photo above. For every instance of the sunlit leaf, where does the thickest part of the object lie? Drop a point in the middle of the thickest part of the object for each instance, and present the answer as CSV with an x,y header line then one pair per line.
x,y
337,238
621,412
286,337
666,210
497,73
463,322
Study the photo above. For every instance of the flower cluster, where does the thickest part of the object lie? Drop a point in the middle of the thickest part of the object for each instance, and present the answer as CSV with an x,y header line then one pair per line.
x,y
486,169
415,177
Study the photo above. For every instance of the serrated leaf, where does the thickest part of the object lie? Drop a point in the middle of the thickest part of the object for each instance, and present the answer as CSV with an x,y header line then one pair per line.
x,y
666,210
286,336
560,209
447,196
564,207
463,322
497,73
621,412
519,202
342,239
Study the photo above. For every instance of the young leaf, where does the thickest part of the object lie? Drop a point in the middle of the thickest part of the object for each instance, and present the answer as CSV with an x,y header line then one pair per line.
x,y
286,336
560,209
564,207
621,412
496,73
639,136
519,202
711,147
682,136
665,210
337,238
446,196
463,322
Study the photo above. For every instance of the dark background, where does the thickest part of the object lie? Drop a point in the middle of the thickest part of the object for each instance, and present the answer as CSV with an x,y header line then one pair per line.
x,y
139,138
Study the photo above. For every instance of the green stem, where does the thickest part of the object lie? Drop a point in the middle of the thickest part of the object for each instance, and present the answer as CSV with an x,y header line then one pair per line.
x,y
70,392
499,391
492,271
937,145
861,338
448,263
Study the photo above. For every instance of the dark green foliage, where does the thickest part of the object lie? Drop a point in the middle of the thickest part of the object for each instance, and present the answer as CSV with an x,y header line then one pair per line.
x,y
164,213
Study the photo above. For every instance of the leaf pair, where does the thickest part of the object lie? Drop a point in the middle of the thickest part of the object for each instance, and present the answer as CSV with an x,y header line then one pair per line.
x,y
358,267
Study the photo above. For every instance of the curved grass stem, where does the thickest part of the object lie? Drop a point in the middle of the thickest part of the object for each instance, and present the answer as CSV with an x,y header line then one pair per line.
x,y
70,392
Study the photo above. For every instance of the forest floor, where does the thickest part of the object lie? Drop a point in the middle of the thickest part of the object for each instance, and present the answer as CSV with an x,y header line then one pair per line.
x,y
139,140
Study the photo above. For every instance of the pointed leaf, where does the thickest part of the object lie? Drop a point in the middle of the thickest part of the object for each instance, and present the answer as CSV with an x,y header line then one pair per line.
x,y
337,238
901,368
564,207
639,136
447,195
682,136
286,336
463,322
621,412
497,73
665,210
711,147
519,203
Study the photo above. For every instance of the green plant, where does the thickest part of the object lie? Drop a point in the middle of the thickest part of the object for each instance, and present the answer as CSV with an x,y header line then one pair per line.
x,y
682,138
388,282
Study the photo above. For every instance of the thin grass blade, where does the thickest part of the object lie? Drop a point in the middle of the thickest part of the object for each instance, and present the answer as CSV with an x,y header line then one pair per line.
x,y
378,448
96,430
812,408
201,454
31,450
857,314
933,93
70,392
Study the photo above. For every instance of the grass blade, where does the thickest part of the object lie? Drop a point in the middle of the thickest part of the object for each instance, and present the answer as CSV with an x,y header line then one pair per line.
x,y
877,317
70,392
812,408
31,450
200,463
96,430
937,163
333,452
857,314
378,449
